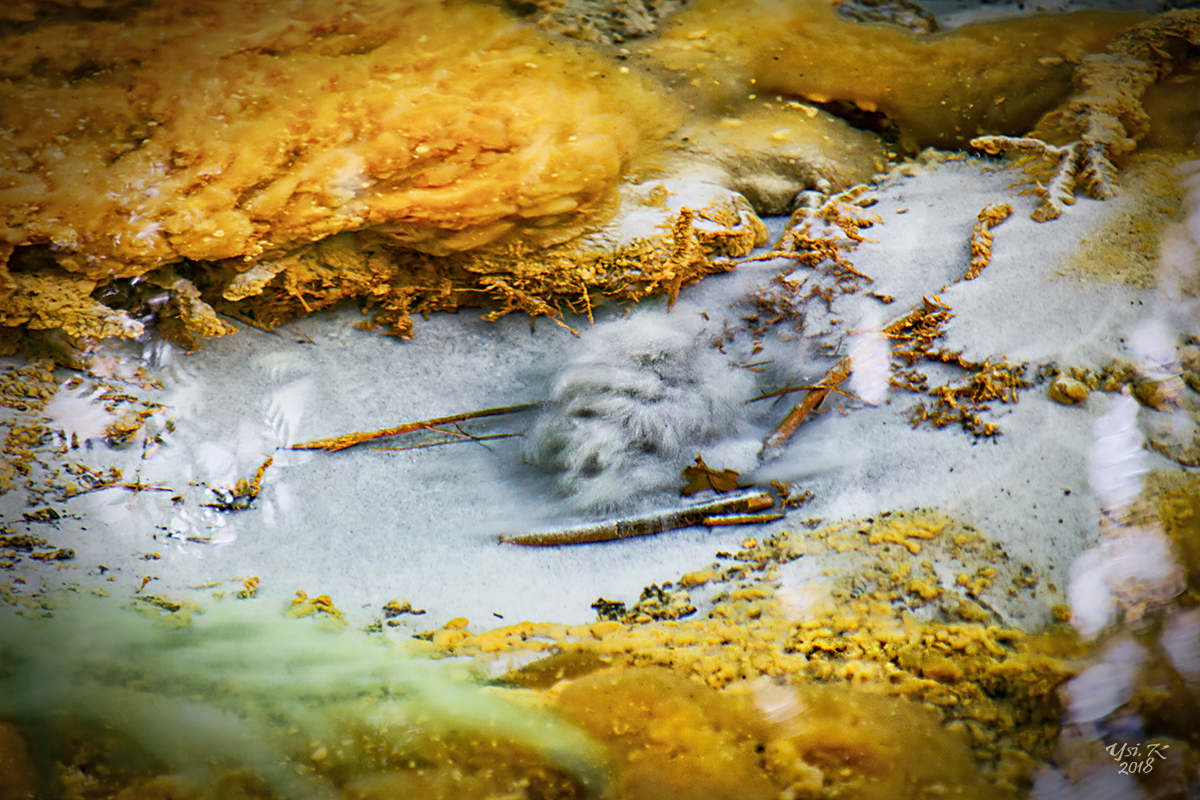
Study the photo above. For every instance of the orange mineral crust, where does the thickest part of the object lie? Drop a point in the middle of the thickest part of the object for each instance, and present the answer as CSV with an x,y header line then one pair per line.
x,y
938,90
171,161
233,130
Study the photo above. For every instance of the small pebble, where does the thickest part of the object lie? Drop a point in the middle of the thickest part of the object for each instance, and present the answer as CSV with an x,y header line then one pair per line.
x,y
1067,391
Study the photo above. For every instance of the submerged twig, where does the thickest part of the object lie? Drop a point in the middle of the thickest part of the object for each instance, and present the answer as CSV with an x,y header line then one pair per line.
x,y
137,486
304,337
780,392
801,410
742,519
465,438
646,524
245,320
336,443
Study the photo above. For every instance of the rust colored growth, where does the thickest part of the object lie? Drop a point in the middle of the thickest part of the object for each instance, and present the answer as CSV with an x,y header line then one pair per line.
x,y
42,515
336,443
522,277
686,253
1069,164
645,524
304,606
915,332
517,300
121,431
790,496
961,403
981,237
242,494
398,606
89,480
829,231
656,603
801,410
777,302
28,388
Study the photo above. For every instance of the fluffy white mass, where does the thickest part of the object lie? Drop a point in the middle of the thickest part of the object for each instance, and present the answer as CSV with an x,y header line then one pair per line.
x,y
635,404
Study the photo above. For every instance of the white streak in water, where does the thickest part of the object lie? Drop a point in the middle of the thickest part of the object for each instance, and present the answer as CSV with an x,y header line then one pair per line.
x,y
1117,459
1136,567
870,359
1106,686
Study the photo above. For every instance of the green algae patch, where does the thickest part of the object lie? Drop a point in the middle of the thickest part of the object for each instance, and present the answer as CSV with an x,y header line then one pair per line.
x,y
885,678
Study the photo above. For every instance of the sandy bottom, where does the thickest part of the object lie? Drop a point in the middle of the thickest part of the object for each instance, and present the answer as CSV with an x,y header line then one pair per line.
x,y
368,525
926,567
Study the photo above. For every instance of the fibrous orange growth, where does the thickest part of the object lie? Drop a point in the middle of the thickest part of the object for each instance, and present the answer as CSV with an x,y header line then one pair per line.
x,y
961,402
989,217
1069,162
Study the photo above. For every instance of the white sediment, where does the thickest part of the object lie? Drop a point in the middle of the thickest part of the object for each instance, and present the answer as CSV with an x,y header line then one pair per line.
x,y
366,525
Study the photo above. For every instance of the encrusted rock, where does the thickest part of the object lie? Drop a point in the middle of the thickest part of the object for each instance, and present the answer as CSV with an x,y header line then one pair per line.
x,y
1189,359
1067,391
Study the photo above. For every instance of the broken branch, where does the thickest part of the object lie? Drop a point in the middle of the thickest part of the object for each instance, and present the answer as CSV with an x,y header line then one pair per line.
x,y
466,438
336,443
645,524
742,519
801,410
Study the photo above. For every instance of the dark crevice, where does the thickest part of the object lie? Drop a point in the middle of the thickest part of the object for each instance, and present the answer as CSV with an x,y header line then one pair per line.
x,y
32,258
874,121
53,13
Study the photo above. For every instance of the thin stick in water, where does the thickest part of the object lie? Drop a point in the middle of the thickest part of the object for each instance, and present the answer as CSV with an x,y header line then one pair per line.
x,y
336,443
645,524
